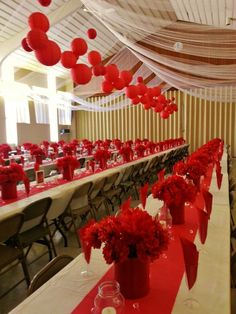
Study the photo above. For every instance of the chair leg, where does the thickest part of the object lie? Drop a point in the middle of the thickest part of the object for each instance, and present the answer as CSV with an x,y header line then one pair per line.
x,y
25,269
57,224
107,208
75,229
51,243
47,243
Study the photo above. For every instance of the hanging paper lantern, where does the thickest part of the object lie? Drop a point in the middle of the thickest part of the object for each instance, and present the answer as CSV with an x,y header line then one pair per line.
x,y
94,57
119,84
36,39
139,79
136,100
156,91
107,87
79,46
38,20
96,70
144,99
112,73
131,91
81,74
147,106
175,108
45,3
142,88
68,59
50,54
127,77
150,92
164,115
153,103
159,107
25,45
92,34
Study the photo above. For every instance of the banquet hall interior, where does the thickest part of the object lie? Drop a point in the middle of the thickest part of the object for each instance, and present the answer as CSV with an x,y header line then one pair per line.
x,y
111,109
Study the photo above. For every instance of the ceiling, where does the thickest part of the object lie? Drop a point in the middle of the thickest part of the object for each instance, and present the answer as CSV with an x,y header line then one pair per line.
x,y
72,18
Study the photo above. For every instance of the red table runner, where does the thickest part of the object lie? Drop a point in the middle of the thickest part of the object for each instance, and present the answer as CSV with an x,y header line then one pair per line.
x,y
165,276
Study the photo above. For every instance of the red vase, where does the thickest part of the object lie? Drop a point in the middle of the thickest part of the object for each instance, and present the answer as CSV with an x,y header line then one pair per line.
x,y
133,277
177,214
39,159
9,190
67,173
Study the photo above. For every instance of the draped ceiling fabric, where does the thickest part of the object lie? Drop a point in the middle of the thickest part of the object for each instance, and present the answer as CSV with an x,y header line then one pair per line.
x,y
205,60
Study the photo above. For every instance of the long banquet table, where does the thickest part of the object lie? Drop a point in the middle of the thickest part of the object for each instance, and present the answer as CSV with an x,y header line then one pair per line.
x,y
68,187
63,292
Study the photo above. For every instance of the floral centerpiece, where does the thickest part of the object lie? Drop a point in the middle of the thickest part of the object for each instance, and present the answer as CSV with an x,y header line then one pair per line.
x,y
67,166
9,176
192,169
39,154
140,149
175,191
117,143
127,153
151,146
4,150
131,240
102,156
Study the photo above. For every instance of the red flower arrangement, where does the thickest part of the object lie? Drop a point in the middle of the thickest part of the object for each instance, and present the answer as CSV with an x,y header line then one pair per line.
x,y
5,149
67,166
151,146
68,150
140,149
102,156
132,234
117,143
12,173
55,147
127,153
27,145
193,169
174,191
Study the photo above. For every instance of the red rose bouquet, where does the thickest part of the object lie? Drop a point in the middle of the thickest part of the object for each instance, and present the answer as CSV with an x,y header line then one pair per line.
x,y
4,150
140,149
9,176
67,166
117,143
55,147
127,153
132,234
68,150
151,146
102,156
38,153
175,191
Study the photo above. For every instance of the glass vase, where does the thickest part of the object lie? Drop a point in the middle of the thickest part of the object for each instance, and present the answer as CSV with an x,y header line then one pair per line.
x,y
109,299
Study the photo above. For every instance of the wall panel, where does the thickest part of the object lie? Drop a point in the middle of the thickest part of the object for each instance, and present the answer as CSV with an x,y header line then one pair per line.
x,y
197,120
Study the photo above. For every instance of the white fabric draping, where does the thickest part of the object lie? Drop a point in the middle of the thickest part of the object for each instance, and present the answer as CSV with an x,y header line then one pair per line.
x,y
64,109
205,60
41,102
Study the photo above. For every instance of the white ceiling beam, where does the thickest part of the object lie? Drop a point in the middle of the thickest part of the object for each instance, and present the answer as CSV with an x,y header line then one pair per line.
x,y
55,17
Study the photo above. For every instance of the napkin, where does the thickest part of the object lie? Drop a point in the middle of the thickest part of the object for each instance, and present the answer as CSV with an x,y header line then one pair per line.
x,y
202,224
161,175
26,184
92,165
208,201
86,248
126,204
190,255
143,194
36,167
219,177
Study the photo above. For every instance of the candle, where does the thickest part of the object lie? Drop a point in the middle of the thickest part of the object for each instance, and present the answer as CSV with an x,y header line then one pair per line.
x,y
109,310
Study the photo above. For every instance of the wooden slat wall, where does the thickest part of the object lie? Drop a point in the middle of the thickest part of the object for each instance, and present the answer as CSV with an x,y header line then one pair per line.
x,y
198,120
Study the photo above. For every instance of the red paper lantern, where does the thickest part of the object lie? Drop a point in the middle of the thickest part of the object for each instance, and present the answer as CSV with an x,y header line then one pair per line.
x,y
38,20
92,33
175,108
139,79
144,99
94,57
45,3
126,76
147,106
81,74
156,91
161,99
164,115
68,59
119,84
79,46
112,73
131,91
25,45
36,39
107,86
96,70
150,92
142,88
136,100
159,107
50,54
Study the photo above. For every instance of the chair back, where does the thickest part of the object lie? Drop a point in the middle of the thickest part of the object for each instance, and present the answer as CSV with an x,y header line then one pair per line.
x,y
10,226
35,213
128,171
48,271
110,181
79,198
96,188
59,205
